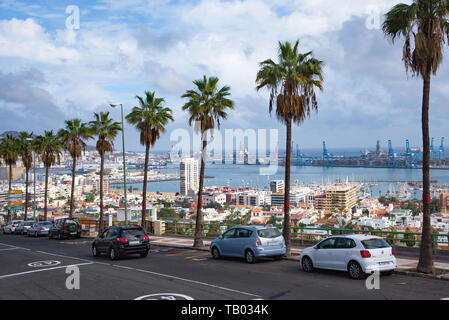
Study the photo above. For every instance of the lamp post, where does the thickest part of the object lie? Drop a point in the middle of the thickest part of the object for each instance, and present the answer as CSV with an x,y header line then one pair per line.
x,y
34,182
124,161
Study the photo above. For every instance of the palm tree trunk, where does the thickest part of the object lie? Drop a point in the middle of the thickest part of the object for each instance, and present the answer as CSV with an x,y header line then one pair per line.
x,y
9,189
73,188
198,242
101,225
286,228
46,193
425,263
26,193
145,178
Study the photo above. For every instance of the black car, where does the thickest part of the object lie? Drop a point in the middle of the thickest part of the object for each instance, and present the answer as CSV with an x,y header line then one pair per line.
x,y
65,228
122,240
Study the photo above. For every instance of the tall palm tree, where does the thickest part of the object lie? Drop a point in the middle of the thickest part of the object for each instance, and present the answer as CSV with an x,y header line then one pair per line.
x,y
26,153
106,130
74,137
50,147
207,105
9,150
292,82
150,118
424,24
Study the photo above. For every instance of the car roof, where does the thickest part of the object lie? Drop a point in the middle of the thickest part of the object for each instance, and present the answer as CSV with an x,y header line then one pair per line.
x,y
360,237
255,226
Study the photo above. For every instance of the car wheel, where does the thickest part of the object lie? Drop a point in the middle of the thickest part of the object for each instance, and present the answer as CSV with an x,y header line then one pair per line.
x,y
215,253
95,251
278,257
306,264
249,256
59,236
144,254
112,254
355,270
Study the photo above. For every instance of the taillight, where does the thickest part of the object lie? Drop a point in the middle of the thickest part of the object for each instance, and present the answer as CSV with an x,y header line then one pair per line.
x,y
13,226
258,243
41,229
365,253
392,251
146,238
122,240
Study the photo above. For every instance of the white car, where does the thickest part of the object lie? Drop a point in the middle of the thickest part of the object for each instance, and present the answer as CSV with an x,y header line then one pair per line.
x,y
10,227
357,254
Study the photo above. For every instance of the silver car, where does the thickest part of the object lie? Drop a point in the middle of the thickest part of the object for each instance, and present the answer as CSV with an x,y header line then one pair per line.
x,y
39,229
11,226
23,227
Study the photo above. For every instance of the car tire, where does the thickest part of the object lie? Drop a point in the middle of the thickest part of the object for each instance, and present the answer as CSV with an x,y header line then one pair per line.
x,y
95,251
59,236
355,271
250,257
144,254
306,264
278,257
112,254
215,253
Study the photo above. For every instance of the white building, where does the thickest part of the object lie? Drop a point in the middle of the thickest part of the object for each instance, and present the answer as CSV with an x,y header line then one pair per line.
x,y
277,186
189,175
251,199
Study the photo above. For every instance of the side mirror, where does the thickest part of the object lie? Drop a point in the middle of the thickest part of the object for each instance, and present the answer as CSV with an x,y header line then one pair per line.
x,y
316,247
220,237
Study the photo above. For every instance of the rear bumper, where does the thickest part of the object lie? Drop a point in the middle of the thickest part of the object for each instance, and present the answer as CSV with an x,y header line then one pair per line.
x,y
266,252
372,266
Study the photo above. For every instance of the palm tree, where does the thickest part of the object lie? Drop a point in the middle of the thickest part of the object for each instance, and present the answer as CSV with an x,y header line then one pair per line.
x,y
26,153
292,83
150,118
9,150
73,138
50,147
106,130
424,25
207,104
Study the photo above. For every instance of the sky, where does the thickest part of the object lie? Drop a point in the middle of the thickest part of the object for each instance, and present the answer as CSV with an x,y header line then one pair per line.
x,y
53,68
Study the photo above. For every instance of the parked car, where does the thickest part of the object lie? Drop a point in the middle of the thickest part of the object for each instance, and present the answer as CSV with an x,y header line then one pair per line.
x,y
65,228
40,229
122,240
23,227
359,255
249,242
10,227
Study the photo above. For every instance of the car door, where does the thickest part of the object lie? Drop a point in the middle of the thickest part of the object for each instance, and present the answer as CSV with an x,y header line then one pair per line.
x,y
323,254
101,241
226,242
342,252
238,242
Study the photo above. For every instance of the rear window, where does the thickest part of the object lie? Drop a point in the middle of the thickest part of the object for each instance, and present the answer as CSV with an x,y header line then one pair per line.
x,y
71,221
375,244
45,223
269,233
133,233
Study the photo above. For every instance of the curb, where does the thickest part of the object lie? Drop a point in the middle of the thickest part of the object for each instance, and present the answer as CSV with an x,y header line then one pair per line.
x,y
444,277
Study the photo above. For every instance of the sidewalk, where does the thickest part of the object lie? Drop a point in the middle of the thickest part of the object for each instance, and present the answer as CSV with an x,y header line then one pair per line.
x,y
404,263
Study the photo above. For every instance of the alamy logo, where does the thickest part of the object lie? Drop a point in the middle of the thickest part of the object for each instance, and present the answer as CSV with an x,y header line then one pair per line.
x,y
373,20
73,280
373,281
73,20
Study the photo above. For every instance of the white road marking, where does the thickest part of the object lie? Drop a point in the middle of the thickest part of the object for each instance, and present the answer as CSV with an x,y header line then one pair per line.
x,y
40,270
198,282
10,249
64,256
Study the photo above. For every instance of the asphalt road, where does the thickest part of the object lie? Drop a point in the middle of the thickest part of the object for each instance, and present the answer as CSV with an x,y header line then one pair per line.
x,y
33,268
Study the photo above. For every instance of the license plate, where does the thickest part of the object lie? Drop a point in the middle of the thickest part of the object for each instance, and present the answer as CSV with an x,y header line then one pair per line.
x,y
72,232
134,243
273,243
384,263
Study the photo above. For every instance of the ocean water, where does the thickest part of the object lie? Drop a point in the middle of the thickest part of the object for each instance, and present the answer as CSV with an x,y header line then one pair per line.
x,y
249,175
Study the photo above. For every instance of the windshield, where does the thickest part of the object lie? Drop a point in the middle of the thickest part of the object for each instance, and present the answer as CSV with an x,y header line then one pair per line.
x,y
375,244
269,233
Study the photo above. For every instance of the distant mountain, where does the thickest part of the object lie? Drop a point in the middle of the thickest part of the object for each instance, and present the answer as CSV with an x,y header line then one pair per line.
x,y
13,133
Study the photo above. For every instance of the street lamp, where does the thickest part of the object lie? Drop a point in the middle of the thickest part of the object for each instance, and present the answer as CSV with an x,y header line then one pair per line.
x,y
34,182
124,161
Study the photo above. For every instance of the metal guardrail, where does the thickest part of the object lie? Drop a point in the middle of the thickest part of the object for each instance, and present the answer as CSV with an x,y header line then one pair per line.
x,y
308,235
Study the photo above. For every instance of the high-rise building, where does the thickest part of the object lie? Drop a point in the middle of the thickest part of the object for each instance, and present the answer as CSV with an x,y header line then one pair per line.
x,y
189,175
277,186
337,197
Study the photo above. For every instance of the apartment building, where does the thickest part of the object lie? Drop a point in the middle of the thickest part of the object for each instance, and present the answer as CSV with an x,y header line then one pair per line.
x,y
189,176
339,196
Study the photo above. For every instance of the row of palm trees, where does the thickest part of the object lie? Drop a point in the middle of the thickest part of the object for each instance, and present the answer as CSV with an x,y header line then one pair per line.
x,y
49,147
291,81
